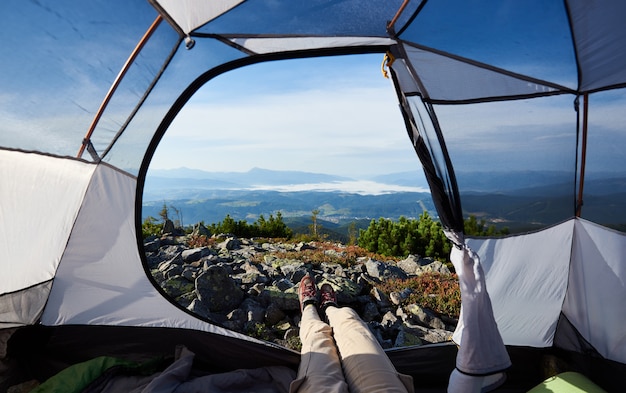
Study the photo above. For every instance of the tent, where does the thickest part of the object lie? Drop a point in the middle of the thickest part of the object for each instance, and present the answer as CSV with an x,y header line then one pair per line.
x,y
528,95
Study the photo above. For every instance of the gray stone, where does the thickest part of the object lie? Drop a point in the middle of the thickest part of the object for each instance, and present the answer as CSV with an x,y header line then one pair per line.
x,y
410,265
273,314
176,286
168,227
201,230
382,271
194,254
370,312
230,243
433,267
217,290
152,246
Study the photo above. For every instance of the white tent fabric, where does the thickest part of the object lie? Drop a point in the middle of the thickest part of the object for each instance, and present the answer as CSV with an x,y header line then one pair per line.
x,y
40,197
594,303
532,278
69,249
191,14
600,36
481,349
273,45
100,279
447,79
526,291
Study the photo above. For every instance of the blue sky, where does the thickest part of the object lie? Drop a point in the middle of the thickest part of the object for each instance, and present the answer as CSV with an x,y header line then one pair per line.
x,y
331,115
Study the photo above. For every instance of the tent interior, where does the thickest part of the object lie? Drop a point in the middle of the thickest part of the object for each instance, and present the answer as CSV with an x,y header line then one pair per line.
x,y
512,108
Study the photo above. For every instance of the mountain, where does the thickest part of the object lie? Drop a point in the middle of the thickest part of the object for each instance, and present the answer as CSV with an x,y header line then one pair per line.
x,y
521,201
184,183
408,179
336,207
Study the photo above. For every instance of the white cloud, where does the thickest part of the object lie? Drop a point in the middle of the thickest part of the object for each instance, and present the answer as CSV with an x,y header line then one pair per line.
x,y
362,187
350,127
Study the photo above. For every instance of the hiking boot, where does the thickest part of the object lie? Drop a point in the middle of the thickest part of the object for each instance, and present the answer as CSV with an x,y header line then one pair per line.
x,y
328,296
307,292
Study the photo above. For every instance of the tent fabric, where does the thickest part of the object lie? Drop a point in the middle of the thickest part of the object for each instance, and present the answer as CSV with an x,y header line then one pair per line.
x,y
273,45
188,15
519,279
599,42
481,349
597,289
446,79
40,197
69,226
100,279
23,307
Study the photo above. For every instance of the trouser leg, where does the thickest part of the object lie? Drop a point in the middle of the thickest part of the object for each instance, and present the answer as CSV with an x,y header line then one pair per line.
x,y
365,364
320,366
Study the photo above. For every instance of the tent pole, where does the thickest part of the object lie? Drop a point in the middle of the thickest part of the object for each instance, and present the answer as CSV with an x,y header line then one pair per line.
x,y
583,155
86,141
397,15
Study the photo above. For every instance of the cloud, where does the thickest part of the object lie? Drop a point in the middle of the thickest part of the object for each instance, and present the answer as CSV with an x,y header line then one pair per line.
x,y
362,187
349,124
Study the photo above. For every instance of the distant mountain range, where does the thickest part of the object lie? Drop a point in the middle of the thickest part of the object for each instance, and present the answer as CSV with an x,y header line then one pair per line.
x,y
519,200
210,196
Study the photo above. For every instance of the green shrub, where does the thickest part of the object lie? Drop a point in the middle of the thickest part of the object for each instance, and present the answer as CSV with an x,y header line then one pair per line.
x,y
150,227
423,237
274,227
436,291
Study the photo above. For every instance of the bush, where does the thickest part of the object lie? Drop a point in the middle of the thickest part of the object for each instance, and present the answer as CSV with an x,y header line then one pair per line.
x,y
436,291
149,227
473,227
274,227
422,237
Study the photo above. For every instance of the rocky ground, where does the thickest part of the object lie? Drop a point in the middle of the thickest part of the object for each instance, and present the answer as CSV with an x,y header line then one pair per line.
x,y
250,286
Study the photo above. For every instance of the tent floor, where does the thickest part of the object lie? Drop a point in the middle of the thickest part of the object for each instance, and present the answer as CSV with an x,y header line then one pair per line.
x,y
39,352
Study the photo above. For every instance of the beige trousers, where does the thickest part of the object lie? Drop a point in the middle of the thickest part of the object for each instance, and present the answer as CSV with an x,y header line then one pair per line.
x,y
351,362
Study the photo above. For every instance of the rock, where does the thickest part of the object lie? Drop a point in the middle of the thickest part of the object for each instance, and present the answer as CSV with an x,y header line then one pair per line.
x,y
346,290
273,314
250,288
382,271
433,267
287,301
197,307
284,284
168,227
406,338
370,312
425,317
410,265
152,246
200,230
194,254
217,290
381,299
230,243
176,286
303,246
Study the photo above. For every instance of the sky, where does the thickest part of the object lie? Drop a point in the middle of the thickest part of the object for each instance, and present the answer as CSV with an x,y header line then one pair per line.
x,y
334,115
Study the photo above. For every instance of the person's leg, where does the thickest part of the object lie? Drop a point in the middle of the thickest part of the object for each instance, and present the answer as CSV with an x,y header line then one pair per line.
x,y
320,367
365,364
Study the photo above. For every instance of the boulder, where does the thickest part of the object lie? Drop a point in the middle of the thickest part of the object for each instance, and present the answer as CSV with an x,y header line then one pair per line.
x,y
217,290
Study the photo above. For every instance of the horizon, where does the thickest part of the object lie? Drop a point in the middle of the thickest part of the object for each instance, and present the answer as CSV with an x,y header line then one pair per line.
x,y
335,115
